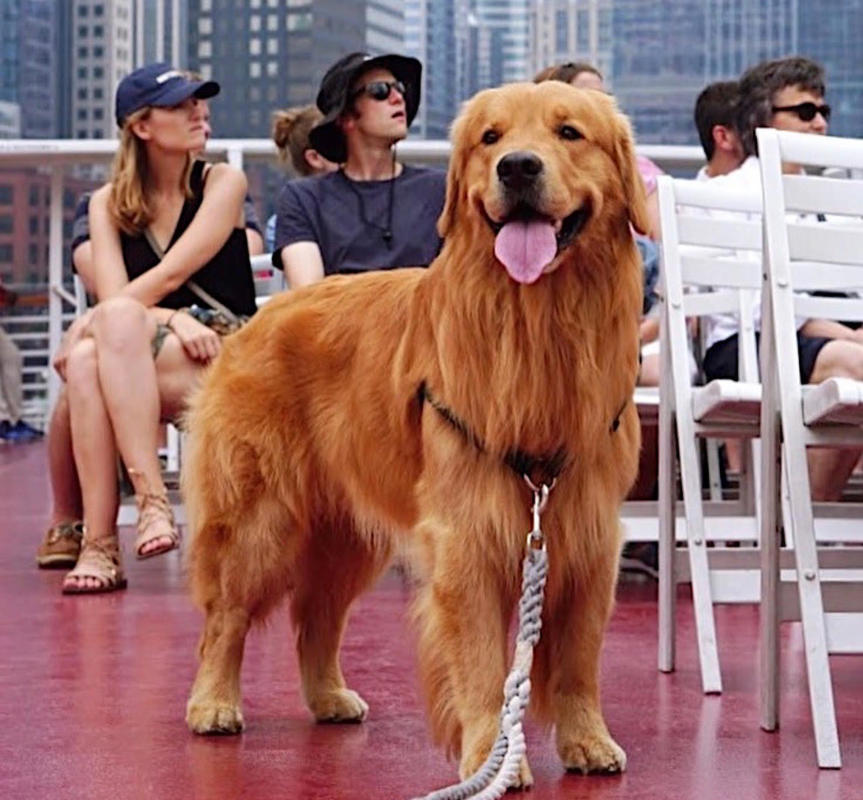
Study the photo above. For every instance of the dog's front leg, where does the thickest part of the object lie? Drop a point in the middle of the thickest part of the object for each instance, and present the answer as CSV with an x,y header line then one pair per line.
x,y
464,616
574,633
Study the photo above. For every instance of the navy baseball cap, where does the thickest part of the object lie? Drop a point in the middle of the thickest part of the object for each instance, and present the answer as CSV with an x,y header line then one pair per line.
x,y
159,85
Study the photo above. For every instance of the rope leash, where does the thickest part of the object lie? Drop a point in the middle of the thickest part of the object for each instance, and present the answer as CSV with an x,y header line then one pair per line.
x,y
501,768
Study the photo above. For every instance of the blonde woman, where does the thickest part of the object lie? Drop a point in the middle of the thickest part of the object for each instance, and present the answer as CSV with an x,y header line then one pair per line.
x,y
169,254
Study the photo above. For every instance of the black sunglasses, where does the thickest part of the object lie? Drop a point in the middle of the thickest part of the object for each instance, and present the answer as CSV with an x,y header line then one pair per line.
x,y
380,90
806,111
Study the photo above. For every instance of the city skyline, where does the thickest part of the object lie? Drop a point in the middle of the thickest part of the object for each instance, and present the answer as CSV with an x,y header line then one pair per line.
x,y
60,60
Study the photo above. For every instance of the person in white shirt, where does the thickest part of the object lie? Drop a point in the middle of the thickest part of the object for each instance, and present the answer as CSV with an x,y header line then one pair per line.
x,y
715,120
788,94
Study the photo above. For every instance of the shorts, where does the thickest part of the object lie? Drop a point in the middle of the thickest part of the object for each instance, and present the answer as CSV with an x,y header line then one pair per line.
x,y
212,319
720,361
158,339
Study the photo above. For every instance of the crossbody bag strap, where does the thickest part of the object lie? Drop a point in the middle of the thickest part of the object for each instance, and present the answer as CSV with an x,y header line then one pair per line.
x,y
201,293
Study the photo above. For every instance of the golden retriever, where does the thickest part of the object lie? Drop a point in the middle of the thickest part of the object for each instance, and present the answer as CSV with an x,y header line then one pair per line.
x,y
404,403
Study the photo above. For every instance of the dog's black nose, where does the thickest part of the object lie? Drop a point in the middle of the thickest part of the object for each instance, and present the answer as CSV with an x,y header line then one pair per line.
x,y
519,170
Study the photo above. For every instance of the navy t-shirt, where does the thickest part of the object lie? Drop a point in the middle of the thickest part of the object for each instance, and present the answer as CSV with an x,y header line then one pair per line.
x,y
348,219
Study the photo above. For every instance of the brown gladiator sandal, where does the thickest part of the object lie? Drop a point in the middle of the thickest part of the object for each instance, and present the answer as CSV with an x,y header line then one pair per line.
x,y
155,519
99,559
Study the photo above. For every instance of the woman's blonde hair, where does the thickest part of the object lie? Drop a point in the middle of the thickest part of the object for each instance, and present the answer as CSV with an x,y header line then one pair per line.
x,y
128,204
291,134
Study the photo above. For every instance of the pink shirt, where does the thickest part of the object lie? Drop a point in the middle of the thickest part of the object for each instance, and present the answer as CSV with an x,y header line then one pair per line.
x,y
649,173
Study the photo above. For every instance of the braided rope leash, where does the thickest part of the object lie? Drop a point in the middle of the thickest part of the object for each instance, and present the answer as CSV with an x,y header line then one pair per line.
x,y
501,768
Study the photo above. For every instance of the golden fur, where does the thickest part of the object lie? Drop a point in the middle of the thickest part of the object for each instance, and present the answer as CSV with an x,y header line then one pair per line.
x,y
310,453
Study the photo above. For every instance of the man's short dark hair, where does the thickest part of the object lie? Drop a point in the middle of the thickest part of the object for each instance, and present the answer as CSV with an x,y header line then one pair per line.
x,y
716,105
758,88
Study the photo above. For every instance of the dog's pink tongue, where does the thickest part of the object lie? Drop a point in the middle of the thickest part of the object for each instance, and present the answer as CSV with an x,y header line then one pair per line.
x,y
526,248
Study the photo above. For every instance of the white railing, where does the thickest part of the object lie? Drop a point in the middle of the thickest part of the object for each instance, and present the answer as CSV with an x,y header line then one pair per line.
x,y
55,155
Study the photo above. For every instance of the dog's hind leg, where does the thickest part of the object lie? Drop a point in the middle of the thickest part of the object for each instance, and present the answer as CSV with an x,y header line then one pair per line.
x,y
337,566
237,575
214,702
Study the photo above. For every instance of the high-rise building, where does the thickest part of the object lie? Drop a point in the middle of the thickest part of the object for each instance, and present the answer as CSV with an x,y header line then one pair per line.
x,y
436,34
663,55
102,49
161,32
658,66
498,43
10,120
268,54
29,64
571,30
830,32
385,26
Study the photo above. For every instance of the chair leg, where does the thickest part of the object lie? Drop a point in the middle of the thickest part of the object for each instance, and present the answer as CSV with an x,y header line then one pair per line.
x,y
814,633
702,601
769,532
667,539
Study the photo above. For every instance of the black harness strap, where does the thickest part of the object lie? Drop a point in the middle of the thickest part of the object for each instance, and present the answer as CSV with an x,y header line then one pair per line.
x,y
543,468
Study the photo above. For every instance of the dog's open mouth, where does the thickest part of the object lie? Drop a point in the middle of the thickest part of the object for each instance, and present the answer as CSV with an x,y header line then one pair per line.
x,y
526,242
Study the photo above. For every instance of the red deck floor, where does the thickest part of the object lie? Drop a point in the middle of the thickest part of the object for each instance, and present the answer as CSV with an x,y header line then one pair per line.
x,y
92,691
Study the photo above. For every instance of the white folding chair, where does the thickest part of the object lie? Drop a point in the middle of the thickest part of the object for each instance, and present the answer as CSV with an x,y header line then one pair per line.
x,y
711,242
268,280
803,254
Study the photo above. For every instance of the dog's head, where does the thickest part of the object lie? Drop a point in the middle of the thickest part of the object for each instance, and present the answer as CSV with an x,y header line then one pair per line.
x,y
536,166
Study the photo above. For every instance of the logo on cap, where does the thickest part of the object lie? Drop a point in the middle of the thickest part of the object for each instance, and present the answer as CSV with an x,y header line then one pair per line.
x,y
166,76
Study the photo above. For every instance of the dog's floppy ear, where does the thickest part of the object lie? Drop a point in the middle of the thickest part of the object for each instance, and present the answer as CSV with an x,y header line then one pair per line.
x,y
627,167
453,187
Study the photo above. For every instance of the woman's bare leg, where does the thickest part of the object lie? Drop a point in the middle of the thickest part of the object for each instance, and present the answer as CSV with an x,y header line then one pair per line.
x,y
95,454
140,391
65,486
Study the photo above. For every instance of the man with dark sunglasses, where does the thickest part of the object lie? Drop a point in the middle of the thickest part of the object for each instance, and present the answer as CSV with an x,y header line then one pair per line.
x,y
788,94
374,212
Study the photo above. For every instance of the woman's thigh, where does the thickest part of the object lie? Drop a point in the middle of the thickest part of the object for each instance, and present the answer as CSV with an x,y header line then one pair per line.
x,y
838,358
177,376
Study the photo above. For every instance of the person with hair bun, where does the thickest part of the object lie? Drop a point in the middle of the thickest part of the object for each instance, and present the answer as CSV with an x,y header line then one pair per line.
x,y
171,268
291,127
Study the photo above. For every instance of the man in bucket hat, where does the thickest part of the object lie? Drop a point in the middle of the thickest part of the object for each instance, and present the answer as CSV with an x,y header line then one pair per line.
x,y
374,212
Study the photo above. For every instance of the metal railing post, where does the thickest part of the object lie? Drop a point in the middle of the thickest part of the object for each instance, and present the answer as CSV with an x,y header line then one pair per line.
x,y
55,279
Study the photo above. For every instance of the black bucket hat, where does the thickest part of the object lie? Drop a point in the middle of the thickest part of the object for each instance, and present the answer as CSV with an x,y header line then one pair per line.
x,y
333,98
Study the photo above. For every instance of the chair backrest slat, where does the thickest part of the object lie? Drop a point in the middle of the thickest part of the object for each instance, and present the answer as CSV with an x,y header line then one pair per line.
x,y
820,151
722,271
813,194
824,242
734,234
835,308
722,301
807,276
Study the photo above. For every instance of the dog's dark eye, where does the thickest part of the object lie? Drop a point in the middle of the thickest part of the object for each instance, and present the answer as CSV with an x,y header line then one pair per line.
x,y
490,136
568,132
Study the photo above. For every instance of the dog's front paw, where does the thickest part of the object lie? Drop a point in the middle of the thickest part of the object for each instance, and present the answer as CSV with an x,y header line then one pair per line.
x,y
596,752
339,705
471,764
214,718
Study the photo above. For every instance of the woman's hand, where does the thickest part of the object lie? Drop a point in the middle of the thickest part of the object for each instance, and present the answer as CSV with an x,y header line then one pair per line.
x,y
200,342
74,333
